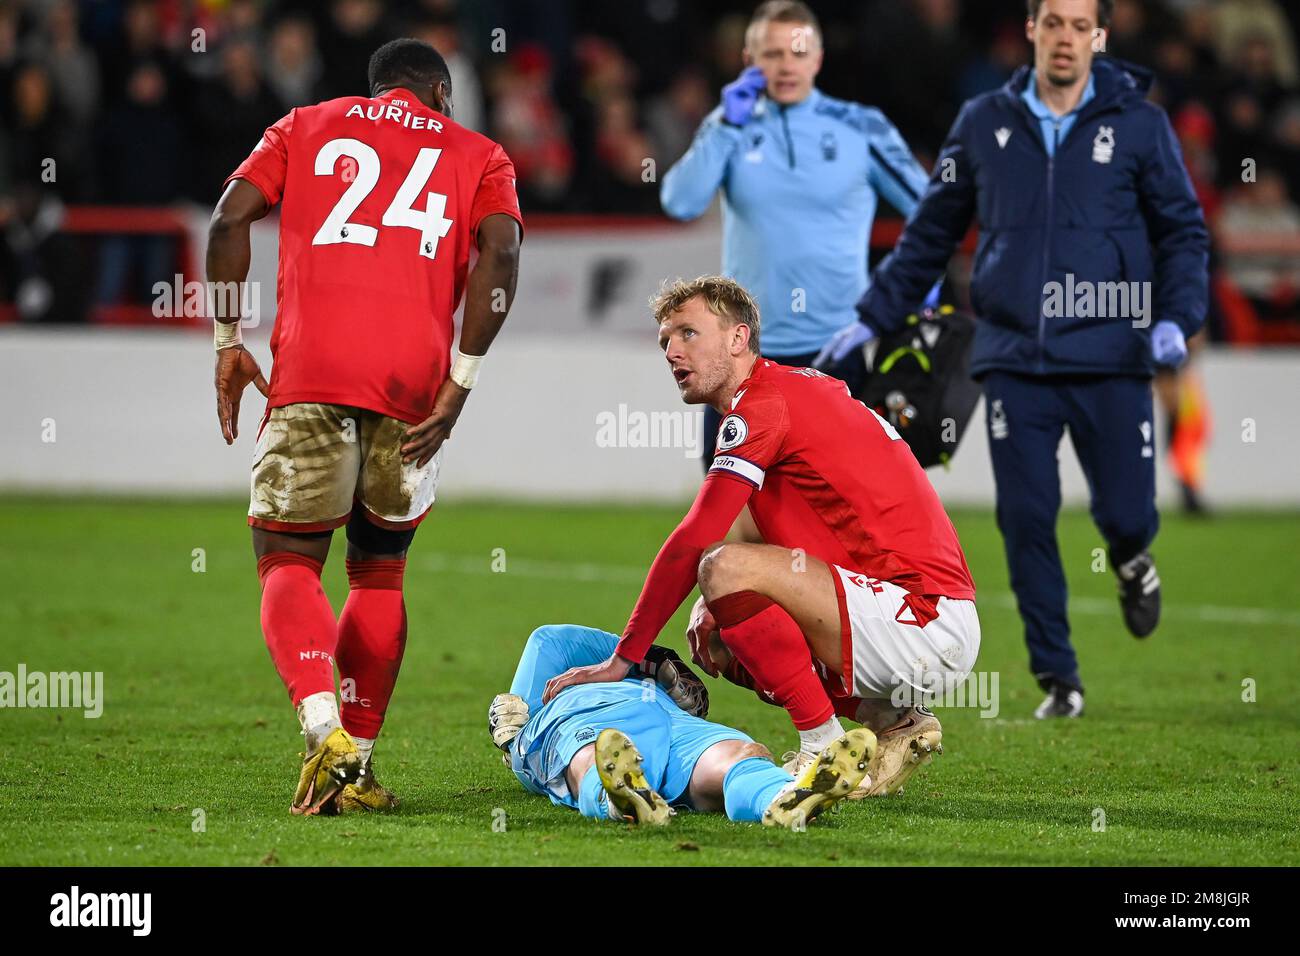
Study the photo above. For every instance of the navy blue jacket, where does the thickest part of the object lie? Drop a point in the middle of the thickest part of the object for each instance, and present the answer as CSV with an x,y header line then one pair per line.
x,y
1113,205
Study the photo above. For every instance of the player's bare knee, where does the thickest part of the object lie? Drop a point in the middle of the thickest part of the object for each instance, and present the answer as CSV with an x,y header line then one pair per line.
x,y
719,760
707,569
752,749
722,569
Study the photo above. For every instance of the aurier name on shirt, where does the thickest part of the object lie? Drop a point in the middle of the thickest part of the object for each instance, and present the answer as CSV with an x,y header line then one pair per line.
x,y
393,111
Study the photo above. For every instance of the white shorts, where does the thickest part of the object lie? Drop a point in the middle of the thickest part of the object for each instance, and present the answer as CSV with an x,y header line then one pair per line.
x,y
314,463
886,646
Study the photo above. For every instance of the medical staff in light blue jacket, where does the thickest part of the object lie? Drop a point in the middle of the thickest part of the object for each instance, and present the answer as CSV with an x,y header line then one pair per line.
x,y
800,174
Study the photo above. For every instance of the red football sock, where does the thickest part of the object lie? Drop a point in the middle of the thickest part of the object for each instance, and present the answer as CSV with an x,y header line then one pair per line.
x,y
298,623
372,638
769,644
736,673
845,706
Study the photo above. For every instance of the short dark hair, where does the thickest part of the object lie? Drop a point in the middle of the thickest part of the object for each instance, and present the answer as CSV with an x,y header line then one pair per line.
x,y
408,63
1104,10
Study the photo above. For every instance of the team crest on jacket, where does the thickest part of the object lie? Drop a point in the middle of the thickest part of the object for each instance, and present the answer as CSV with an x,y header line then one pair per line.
x,y
829,147
732,432
998,427
1103,147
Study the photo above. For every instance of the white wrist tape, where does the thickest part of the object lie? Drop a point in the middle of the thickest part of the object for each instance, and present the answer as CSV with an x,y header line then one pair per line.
x,y
226,334
464,371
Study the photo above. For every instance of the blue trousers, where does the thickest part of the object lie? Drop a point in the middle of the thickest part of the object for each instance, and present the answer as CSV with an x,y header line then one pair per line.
x,y
1112,430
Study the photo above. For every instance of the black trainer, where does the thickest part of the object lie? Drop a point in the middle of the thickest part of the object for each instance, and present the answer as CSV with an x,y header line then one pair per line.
x,y
1063,700
1193,503
1139,594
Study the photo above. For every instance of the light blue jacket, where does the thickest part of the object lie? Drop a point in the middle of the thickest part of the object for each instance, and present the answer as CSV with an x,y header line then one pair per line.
x,y
799,188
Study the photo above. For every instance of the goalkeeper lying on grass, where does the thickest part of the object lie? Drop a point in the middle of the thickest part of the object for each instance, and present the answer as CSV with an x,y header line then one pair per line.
x,y
634,749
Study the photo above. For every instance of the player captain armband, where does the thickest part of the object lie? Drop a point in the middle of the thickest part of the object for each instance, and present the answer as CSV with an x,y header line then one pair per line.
x,y
464,371
738,466
226,334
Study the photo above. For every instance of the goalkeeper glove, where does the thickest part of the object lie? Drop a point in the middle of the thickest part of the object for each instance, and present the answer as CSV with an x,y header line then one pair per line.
x,y
506,717
678,681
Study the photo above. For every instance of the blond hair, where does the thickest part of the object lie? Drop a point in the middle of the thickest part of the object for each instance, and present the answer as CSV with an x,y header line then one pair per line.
x,y
725,298
780,11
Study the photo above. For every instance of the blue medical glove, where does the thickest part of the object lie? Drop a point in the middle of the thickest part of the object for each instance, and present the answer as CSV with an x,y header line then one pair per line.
x,y
741,95
852,336
1168,346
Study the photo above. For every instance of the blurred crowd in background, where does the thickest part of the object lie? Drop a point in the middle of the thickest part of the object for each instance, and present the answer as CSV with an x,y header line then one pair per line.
x,y
153,102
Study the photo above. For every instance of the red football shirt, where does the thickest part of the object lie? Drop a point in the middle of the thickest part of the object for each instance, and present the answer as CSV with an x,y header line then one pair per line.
x,y
380,200
822,472
837,480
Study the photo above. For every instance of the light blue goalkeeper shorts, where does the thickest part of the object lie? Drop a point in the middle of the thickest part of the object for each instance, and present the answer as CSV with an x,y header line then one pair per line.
x,y
670,740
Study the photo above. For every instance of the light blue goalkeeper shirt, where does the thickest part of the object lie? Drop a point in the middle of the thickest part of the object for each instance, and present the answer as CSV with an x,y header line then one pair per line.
x,y
799,190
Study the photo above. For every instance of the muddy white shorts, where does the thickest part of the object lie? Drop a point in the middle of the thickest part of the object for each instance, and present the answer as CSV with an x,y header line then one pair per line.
x,y
893,639
315,462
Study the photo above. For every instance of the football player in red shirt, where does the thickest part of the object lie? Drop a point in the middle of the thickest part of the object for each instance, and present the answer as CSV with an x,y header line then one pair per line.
x,y
380,199
861,588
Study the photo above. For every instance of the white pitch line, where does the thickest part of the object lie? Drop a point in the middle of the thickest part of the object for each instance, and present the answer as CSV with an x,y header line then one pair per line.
x,y
530,568
1216,613
625,574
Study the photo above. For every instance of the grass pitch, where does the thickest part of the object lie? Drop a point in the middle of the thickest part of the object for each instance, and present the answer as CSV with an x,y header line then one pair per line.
x,y
196,728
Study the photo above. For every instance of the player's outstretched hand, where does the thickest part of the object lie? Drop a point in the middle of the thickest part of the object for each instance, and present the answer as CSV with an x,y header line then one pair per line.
x,y
424,440
606,672
698,631
236,367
